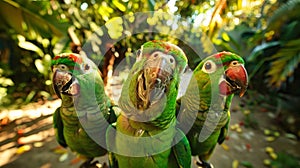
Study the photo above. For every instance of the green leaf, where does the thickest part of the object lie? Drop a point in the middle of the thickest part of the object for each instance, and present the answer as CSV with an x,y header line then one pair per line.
x,y
6,82
31,47
247,164
119,5
283,65
283,14
39,65
151,4
30,96
225,37
26,19
115,27
258,50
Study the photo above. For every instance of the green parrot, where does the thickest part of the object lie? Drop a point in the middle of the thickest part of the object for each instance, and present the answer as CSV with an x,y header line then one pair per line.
x,y
86,111
203,111
145,134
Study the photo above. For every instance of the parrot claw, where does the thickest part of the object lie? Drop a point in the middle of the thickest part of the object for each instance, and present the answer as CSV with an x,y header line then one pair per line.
x,y
90,164
204,164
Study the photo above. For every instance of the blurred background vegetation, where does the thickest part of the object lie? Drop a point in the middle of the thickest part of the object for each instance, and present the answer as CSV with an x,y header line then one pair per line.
x,y
265,32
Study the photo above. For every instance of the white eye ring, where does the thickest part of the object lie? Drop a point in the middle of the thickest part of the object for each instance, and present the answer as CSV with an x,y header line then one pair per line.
x,y
209,66
155,54
234,63
63,67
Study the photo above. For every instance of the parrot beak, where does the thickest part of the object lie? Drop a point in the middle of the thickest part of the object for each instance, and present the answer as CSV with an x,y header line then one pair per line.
x,y
65,83
236,80
154,80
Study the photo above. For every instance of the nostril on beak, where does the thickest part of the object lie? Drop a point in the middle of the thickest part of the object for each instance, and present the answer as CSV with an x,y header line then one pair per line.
x,y
153,75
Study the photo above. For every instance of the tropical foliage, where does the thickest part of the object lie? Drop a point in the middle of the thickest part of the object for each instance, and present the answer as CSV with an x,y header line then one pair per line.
x,y
265,33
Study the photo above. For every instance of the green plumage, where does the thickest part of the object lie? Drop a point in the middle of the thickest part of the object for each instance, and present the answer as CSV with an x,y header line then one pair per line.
x,y
82,119
146,129
207,102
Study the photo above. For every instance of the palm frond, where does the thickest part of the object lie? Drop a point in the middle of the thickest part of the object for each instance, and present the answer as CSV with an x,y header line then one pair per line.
x,y
28,19
283,14
283,64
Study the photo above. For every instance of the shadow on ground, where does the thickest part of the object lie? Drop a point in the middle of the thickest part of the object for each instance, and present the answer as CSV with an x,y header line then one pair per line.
x,y
27,139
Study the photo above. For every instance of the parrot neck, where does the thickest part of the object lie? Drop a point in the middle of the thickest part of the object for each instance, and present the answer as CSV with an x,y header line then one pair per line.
x,y
215,102
66,101
148,128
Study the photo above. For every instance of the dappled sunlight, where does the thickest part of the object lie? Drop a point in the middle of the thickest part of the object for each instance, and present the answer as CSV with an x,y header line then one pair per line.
x,y
31,111
26,129
264,128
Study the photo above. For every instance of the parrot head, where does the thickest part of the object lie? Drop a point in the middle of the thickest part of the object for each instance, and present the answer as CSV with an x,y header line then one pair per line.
x,y
226,71
154,77
73,73
162,62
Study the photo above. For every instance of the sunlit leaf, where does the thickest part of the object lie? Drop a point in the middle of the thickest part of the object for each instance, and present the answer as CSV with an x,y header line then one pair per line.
x,y
26,16
60,150
151,21
63,157
235,164
105,11
30,96
31,47
45,94
131,17
38,144
39,65
48,82
119,5
23,149
115,27
61,45
6,82
225,37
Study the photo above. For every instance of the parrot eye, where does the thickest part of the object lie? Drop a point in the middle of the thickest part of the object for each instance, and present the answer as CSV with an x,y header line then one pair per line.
x,y
209,67
86,67
155,55
138,54
62,67
234,63
172,60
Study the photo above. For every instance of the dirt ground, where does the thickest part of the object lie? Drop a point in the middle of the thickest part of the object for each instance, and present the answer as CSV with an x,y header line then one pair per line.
x,y
27,139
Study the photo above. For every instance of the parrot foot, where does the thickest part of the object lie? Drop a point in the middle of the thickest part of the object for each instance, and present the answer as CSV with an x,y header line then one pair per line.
x,y
204,164
90,164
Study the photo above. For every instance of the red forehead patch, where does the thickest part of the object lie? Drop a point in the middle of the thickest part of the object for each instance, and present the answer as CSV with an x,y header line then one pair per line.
x,y
168,48
71,57
75,58
220,54
56,57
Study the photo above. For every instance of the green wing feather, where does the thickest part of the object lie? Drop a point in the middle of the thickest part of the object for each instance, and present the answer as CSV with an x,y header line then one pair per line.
x,y
59,128
224,131
110,139
182,150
